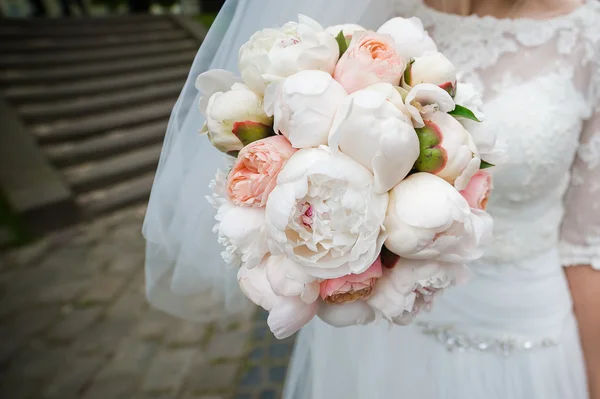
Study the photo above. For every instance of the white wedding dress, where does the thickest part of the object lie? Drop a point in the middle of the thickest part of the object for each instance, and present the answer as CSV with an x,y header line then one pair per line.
x,y
510,333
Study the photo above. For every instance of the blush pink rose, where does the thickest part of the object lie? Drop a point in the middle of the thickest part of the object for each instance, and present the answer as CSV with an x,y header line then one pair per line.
x,y
371,58
478,190
352,287
254,174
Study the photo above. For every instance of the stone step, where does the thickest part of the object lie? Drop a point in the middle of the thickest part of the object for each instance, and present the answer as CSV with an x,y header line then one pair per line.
x,y
49,44
16,32
95,175
127,193
83,87
6,237
108,20
25,60
113,142
83,127
89,71
41,112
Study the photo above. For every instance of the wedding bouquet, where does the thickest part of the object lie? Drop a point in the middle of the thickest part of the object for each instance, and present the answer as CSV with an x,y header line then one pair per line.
x,y
355,191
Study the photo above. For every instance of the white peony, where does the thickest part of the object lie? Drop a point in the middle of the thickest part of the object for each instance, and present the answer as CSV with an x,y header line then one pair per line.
x,y
433,68
303,107
211,82
228,113
411,285
287,278
347,29
427,218
324,214
273,54
286,314
447,150
425,99
240,230
410,37
373,131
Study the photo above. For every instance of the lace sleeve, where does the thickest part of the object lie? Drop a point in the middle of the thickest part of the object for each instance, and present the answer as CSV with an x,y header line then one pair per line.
x,y
580,235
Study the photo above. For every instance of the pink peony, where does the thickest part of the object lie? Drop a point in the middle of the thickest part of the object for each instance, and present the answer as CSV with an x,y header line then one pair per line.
x,y
478,190
254,174
371,58
352,287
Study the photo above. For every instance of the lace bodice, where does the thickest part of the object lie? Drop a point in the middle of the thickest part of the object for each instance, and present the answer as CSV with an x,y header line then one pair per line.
x,y
541,86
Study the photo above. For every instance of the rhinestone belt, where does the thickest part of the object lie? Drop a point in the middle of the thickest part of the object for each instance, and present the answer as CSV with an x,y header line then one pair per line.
x,y
457,341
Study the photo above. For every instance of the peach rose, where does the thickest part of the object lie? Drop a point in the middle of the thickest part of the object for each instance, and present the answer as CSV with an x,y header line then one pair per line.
x,y
254,174
478,190
352,287
371,58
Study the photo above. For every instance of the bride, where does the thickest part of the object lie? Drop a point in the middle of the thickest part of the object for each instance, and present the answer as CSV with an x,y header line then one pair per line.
x,y
523,327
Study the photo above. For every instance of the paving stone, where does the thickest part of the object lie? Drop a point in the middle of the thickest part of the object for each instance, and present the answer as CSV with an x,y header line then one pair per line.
x,y
72,378
32,320
37,361
118,387
62,292
268,394
28,255
154,324
209,378
192,395
131,358
128,263
168,370
10,344
280,350
12,303
64,260
129,304
103,289
12,387
227,345
277,374
76,324
256,354
252,377
73,324
186,333
260,332
104,336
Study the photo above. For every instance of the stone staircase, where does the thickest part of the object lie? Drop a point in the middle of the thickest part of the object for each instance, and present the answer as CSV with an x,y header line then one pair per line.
x,y
96,95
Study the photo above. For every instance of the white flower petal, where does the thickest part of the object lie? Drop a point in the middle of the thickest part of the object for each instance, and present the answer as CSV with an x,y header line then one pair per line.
x,y
324,214
350,314
289,315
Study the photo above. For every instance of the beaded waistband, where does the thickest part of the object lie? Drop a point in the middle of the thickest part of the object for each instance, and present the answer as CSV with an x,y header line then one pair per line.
x,y
506,345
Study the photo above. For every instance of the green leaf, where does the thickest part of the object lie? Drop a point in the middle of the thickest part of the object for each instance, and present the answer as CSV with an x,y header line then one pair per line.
x,y
407,77
249,131
403,92
464,112
485,165
341,41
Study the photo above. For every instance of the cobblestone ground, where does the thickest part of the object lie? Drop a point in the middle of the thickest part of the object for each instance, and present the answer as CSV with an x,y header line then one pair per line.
x,y
75,324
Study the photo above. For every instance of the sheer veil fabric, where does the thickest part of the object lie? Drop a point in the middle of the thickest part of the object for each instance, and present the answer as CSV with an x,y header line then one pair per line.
x,y
185,274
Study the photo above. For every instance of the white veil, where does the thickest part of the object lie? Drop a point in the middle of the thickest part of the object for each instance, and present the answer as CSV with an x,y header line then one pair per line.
x,y
185,274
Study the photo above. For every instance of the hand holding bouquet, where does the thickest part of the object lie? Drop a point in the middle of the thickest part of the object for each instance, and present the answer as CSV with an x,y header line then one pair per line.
x,y
356,192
